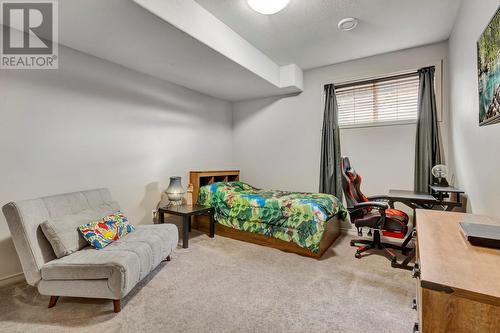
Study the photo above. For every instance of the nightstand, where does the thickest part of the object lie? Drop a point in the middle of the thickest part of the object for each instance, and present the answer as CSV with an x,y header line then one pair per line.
x,y
187,211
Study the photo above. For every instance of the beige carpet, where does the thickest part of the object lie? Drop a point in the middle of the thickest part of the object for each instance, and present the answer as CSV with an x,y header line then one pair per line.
x,y
223,285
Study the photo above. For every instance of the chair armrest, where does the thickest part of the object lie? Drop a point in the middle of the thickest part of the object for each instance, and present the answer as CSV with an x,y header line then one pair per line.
x,y
385,198
379,197
371,204
380,206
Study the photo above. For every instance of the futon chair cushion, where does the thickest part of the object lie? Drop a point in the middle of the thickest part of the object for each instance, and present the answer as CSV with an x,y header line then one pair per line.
x,y
123,263
63,234
110,228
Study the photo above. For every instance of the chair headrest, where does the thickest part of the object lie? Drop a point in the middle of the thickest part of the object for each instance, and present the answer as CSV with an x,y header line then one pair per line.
x,y
346,164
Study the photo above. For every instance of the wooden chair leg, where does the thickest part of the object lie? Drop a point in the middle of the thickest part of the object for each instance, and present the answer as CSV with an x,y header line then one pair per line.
x,y
117,307
53,301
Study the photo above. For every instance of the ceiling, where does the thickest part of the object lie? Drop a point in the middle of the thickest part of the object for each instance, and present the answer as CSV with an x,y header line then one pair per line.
x,y
305,33
125,33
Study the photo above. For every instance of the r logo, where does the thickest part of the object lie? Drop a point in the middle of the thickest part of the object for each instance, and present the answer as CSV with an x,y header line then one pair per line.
x,y
29,34
34,20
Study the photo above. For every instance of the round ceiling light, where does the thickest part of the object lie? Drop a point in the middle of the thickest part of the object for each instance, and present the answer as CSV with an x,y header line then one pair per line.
x,y
268,7
348,24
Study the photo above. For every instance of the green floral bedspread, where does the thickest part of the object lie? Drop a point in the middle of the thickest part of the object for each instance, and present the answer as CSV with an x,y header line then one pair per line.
x,y
290,216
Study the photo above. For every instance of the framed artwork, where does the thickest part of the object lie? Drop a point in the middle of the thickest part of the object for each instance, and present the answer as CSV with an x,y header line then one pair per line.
x,y
488,65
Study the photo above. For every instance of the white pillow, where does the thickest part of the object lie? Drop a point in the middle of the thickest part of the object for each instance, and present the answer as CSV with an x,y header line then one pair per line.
x,y
63,234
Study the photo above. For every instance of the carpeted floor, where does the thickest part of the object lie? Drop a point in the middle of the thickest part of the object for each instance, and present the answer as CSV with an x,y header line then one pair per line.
x,y
223,285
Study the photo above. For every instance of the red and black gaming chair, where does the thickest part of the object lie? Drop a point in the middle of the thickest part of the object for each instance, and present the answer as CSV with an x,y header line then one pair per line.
x,y
377,216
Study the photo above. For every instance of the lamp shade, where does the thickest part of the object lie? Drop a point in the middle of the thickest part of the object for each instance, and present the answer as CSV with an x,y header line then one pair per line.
x,y
175,191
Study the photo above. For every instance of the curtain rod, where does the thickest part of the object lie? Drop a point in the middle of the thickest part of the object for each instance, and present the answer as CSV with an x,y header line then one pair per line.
x,y
382,79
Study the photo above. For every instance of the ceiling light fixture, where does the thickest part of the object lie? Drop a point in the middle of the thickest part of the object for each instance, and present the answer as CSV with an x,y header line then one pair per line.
x,y
268,7
348,24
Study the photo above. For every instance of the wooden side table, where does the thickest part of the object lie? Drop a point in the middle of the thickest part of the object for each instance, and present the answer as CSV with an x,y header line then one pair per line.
x,y
187,211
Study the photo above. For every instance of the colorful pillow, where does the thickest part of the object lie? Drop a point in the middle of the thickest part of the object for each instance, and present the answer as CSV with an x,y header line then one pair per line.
x,y
101,233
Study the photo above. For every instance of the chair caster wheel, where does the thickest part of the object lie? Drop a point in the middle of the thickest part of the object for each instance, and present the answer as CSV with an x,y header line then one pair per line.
x,y
357,255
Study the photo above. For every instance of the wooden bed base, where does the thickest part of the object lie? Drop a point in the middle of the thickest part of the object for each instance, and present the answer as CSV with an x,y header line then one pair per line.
x,y
202,178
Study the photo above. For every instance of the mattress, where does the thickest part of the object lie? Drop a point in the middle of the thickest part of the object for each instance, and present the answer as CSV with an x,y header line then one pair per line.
x,y
296,217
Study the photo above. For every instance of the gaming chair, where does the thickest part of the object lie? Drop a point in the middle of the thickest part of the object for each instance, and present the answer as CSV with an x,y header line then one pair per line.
x,y
377,216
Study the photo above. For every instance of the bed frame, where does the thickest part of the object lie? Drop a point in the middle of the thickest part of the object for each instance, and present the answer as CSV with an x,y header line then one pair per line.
x,y
202,178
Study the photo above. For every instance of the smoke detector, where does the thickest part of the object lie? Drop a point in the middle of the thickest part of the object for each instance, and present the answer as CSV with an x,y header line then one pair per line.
x,y
348,24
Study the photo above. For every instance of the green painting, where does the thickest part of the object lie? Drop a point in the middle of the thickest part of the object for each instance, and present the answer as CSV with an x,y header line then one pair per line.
x,y
488,55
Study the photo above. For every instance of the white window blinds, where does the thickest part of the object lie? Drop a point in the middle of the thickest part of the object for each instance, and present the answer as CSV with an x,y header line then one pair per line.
x,y
385,100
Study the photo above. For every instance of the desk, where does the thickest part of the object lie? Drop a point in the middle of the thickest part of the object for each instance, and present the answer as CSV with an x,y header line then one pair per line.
x,y
442,192
458,284
412,199
424,200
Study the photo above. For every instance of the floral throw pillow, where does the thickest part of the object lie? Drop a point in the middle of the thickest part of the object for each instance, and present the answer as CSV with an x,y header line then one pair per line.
x,y
101,233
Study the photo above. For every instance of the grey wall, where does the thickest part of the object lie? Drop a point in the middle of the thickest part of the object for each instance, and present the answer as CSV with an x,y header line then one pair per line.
x,y
93,123
475,152
277,140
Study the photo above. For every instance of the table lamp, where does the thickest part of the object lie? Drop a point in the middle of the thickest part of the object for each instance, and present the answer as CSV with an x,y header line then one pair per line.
x,y
175,192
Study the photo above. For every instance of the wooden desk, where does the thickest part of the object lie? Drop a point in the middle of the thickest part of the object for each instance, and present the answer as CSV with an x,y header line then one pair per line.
x,y
458,285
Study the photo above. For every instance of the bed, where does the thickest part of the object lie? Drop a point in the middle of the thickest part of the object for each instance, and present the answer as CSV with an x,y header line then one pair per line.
x,y
303,223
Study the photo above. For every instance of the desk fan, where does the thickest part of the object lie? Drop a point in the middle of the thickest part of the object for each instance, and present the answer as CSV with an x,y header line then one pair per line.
x,y
440,172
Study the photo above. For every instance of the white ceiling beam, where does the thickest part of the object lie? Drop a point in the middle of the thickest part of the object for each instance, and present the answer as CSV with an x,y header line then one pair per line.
x,y
191,18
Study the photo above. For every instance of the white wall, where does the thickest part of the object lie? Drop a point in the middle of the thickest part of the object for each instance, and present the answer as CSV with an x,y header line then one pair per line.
x,y
383,155
475,151
96,124
277,140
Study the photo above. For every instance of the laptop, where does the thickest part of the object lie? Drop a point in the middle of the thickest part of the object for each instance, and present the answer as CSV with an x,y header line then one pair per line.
x,y
481,234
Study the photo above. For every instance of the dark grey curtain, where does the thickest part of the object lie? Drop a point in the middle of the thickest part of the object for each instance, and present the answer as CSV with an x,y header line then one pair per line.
x,y
330,178
427,147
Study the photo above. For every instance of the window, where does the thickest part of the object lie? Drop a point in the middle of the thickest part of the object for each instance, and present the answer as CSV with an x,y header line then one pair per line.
x,y
386,100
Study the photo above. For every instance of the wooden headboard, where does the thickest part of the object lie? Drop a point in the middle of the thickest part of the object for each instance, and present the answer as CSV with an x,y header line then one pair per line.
x,y
202,178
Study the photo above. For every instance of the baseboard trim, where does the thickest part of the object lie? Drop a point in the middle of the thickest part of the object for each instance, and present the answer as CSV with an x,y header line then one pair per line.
x,y
11,279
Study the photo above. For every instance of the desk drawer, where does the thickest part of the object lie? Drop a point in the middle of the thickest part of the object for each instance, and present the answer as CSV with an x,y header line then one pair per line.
x,y
444,312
